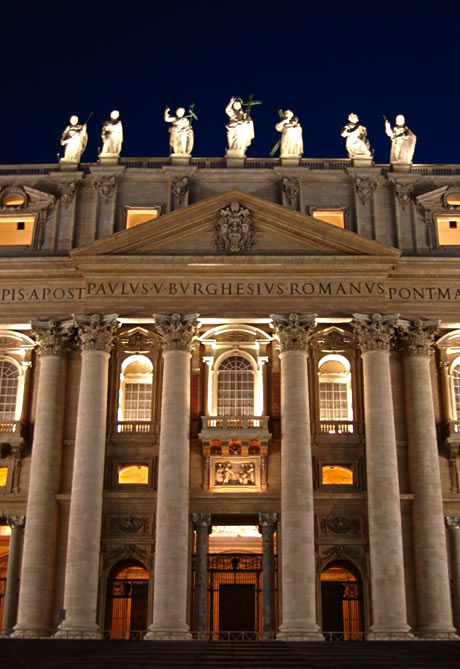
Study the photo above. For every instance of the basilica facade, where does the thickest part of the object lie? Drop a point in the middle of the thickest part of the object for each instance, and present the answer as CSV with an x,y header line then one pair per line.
x,y
230,399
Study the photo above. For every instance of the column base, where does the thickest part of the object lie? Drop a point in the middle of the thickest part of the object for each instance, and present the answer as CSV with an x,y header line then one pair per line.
x,y
448,634
158,634
287,633
31,633
390,634
78,632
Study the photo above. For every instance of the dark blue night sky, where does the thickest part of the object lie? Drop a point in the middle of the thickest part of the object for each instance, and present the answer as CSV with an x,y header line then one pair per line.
x,y
321,60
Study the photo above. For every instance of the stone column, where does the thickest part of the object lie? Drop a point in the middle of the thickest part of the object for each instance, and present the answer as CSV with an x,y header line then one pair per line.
x,y
434,610
298,569
172,517
37,572
10,604
202,525
389,616
267,525
453,525
96,335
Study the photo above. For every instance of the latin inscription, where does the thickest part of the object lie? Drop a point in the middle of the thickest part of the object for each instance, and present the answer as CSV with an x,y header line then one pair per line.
x,y
149,289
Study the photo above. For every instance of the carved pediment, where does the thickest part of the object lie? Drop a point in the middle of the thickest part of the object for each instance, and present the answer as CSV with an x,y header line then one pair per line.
x,y
25,198
440,198
235,223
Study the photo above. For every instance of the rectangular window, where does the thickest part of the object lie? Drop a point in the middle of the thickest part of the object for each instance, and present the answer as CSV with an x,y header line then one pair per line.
x,y
448,227
333,401
3,476
138,401
16,230
137,215
333,216
133,474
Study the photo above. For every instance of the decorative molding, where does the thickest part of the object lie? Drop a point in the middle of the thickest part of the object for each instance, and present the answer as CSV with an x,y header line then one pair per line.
x,y
179,188
131,524
375,332
67,190
340,551
105,186
290,188
418,336
340,525
52,337
234,232
268,520
333,340
294,331
176,331
365,186
97,332
138,340
16,522
130,551
403,192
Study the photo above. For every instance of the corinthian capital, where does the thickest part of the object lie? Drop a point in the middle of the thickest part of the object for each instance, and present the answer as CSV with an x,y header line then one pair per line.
x,y
176,331
96,332
268,520
52,337
202,520
16,521
418,336
374,332
294,331
452,522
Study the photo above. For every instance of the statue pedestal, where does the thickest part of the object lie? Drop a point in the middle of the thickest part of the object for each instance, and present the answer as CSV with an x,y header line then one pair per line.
x,y
234,158
362,162
109,159
180,158
290,161
68,165
401,167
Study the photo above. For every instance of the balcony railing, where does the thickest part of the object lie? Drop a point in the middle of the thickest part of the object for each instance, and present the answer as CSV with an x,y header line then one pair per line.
x,y
451,430
235,422
137,427
336,426
10,427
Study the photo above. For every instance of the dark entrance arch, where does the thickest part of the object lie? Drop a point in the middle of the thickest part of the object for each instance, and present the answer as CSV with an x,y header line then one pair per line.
x,y
127,600
341,601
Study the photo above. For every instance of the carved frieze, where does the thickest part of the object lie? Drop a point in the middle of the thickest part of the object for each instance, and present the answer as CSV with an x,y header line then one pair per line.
x,y
234,232
138,340
129,551
374,331
176,330
294,331
332,340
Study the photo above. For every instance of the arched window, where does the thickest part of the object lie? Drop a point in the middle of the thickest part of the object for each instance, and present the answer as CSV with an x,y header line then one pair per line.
x,y
136,389
456,386
335,402
235,387
9,383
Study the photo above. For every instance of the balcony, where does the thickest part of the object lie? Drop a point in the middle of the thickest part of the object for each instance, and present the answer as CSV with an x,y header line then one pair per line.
x,y
12,437
242,428
132,430
333,431
451,431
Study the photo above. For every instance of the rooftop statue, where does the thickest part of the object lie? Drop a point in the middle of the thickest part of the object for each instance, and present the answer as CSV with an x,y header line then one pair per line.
x,y
112,135
291,134
240,127
356,142
74,139
181,131
402,140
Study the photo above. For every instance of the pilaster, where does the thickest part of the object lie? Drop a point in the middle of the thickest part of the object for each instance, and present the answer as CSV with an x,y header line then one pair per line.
x,y
202,523
267,527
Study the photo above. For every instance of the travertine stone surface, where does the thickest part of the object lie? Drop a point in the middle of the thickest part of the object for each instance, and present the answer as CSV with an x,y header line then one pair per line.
x,y
298,607
172,519
434,611
389,615
83,545
37,573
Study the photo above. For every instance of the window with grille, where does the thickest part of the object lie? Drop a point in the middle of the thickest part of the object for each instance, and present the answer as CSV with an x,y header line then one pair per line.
x,y
9,377
456,382
334,389
235,388
136,389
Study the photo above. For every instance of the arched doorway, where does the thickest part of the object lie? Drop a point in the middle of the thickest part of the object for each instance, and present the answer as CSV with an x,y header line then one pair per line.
x,y
341,601
127,600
